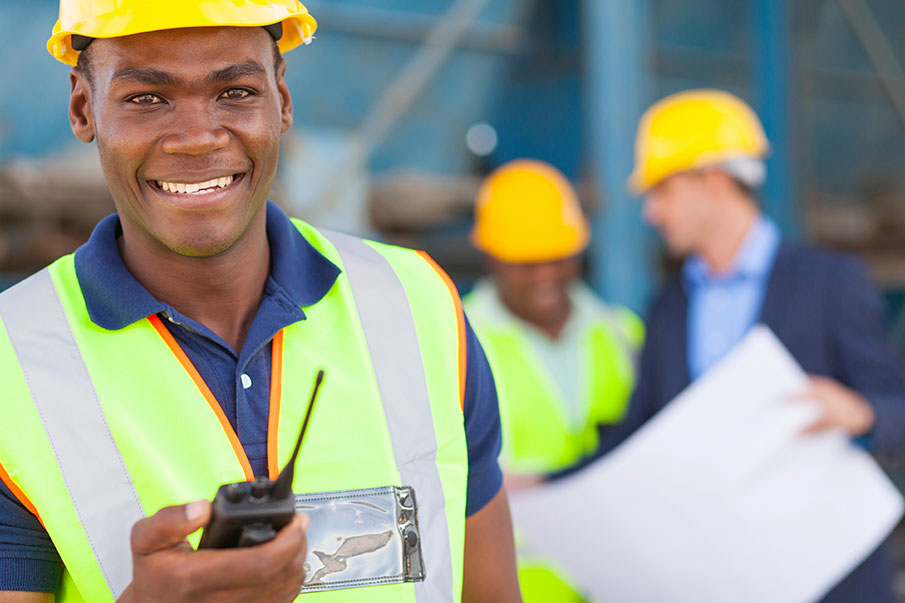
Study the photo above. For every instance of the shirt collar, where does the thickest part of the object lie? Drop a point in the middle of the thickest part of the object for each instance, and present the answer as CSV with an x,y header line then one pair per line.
x,y
115,299
753,260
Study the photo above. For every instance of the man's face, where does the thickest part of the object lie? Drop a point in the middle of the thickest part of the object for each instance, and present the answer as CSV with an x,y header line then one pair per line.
x,y
188,125
680,208
538,290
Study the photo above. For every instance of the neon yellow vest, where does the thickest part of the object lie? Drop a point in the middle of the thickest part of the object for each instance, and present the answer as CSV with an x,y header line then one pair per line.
x,y
538,436
175,449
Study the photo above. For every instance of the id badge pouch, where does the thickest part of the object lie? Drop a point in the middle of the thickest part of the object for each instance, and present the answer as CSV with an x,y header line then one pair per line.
x,y
361,538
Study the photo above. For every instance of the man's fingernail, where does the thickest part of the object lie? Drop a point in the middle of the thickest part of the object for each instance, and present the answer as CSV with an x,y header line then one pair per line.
x,y
305,521
196,510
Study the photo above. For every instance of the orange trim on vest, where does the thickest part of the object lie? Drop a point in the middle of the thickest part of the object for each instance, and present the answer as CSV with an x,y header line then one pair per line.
x,y
460,323
276,394
18,493
206,392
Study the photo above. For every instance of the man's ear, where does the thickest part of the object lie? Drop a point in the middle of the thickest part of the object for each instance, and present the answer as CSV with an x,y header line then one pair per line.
x,y
720,183
285,97
81,119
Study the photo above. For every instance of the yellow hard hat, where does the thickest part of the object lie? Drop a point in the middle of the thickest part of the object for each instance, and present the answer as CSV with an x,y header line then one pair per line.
x,y
527,211
115,18
691,130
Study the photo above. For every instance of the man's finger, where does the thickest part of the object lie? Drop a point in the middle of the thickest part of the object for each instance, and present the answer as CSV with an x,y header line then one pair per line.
x,y
169,527
808,395
814,427
258,564
817,386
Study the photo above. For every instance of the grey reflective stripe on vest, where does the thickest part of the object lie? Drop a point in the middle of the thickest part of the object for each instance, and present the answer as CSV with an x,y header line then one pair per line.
x,y
392,340
93,469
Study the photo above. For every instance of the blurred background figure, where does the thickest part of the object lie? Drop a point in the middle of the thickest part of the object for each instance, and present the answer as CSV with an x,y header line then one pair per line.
x,y
699,165
562,359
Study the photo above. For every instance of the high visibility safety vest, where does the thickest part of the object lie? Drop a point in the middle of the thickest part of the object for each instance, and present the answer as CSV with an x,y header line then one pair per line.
x,y
538,434
101,428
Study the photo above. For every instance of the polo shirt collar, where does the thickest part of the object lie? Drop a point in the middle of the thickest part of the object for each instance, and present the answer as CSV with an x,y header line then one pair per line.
x,y
115,299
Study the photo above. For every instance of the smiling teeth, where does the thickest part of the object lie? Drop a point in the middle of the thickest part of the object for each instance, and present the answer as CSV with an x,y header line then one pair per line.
x,y
199,188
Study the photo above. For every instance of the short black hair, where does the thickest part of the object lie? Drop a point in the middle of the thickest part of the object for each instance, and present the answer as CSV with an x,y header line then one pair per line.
x,y
84,62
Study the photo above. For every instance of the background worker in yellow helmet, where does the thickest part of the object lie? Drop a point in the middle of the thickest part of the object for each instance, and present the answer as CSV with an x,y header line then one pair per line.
x,y
176,351
563,360
699,162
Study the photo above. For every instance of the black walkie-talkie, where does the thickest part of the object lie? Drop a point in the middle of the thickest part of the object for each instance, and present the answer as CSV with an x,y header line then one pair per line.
x,y
250,513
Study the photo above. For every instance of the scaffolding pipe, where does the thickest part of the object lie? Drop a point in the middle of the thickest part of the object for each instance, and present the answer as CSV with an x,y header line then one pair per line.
x,y
403,91
411,81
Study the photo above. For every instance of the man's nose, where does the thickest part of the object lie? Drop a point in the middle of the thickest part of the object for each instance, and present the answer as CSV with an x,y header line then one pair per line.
x,y
195,133
544,271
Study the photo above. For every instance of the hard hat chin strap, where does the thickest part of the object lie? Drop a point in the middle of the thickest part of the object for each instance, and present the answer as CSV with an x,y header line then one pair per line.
x,y
275,30
80,43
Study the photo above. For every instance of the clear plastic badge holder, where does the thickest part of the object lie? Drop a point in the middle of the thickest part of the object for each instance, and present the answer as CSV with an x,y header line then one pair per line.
x,y
361,538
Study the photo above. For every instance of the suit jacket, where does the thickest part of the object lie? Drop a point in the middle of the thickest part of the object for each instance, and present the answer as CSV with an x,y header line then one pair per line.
x,y
825,310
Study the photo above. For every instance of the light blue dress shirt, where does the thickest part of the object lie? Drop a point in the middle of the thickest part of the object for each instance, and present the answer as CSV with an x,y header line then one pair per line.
x,y
723,307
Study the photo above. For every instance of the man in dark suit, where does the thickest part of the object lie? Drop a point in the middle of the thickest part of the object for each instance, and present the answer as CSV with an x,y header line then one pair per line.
x,y
699,161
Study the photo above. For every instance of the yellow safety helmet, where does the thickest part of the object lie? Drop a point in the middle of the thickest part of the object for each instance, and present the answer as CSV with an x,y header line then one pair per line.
x,y
691,130
527,211
115,18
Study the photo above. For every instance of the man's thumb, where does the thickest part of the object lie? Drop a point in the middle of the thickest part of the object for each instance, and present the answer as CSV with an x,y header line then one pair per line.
x,y
168,527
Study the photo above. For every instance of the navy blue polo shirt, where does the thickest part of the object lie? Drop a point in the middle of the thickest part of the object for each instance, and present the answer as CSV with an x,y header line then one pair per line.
x,y
240,380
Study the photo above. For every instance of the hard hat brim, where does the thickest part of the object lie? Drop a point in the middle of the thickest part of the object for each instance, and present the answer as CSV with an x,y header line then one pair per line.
x,y
531,254
298,29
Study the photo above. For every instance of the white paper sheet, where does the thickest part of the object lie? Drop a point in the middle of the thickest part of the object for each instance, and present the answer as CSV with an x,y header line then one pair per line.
x,y
719,497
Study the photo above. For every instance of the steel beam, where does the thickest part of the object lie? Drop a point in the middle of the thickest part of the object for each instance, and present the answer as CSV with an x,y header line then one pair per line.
x,y
774,69
617,38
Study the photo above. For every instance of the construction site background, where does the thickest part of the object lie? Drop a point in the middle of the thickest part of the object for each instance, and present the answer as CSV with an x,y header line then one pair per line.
x,y
402,107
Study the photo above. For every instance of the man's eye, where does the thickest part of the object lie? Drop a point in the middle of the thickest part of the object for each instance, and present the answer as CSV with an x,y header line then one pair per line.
x,y
235,94
145,99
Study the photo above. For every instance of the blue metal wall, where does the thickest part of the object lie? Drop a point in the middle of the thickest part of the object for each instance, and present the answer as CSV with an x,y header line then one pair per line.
x,y
34,96
541,108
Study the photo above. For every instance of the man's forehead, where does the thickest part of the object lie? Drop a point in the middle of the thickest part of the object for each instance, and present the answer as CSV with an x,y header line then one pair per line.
x,y
197,49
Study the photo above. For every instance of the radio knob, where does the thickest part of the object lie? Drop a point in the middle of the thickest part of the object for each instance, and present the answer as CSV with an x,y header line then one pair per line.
x,y
234,493
260,488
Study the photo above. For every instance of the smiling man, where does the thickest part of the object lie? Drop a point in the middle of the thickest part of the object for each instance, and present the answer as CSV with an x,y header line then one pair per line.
x,y
176,351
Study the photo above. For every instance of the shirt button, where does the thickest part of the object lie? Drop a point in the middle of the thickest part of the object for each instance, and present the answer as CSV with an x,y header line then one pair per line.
x,y
246,381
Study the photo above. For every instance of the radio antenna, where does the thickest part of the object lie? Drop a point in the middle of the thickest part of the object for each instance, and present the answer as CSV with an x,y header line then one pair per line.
x,y
282,485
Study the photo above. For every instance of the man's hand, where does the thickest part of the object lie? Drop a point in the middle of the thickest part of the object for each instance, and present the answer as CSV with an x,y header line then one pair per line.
x,y
840,407
166,568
